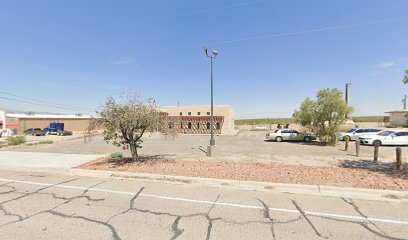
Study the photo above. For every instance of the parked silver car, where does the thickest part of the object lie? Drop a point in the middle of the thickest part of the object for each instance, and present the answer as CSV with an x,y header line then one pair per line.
x,y
289,135
355,133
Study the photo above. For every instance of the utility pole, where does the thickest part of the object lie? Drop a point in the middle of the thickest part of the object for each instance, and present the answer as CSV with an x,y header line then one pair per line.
x,y
404,102
346,95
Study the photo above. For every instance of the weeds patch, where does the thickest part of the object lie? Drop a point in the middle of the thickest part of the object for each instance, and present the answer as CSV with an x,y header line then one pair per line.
x,y
17,140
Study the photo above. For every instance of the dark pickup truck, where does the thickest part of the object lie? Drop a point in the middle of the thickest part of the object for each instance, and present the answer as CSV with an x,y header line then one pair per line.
x,y
35,132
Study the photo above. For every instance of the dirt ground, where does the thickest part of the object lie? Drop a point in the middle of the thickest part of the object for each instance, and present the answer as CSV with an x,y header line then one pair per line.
x,y
54,138
247,147
360,174
246,156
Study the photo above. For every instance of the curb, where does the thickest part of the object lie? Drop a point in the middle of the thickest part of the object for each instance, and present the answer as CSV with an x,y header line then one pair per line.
x,y
314,190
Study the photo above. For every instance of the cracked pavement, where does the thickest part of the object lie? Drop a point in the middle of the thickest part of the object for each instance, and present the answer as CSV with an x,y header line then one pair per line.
x,y
54,206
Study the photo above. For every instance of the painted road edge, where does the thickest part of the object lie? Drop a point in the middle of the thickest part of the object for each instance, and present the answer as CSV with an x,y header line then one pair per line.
x,y
317,190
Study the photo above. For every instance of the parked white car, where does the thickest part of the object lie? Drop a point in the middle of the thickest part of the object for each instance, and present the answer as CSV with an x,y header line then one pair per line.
x,y
355,133
289,135
7,133
385,138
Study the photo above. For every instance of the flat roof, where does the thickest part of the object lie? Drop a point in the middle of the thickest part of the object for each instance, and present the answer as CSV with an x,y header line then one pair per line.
x,y
46,116
190,106
398,111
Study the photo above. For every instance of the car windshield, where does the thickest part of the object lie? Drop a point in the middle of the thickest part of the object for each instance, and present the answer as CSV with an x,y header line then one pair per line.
x,y
351,130
385,133
276,131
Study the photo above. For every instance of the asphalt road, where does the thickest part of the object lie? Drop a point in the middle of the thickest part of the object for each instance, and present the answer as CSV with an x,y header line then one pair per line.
x,y
51,206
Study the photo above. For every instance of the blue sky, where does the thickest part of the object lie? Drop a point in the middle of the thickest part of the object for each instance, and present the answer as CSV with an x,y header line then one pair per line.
x,y
272,54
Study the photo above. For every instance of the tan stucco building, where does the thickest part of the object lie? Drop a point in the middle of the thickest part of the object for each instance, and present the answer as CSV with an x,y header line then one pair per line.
x,y
182,119
19,122
197,119
398,118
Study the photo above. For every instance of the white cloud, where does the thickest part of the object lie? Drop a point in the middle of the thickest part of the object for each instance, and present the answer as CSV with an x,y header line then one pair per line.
x,y
386,64
123,60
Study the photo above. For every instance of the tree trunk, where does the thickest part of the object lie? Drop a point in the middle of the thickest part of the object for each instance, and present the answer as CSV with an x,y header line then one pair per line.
x,y
133,151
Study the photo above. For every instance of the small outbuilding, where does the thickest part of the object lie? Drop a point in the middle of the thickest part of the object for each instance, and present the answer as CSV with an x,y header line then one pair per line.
x,y
398,118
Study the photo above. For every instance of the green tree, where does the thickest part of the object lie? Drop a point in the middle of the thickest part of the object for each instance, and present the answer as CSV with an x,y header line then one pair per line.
x,y
405,80
323,115
124,122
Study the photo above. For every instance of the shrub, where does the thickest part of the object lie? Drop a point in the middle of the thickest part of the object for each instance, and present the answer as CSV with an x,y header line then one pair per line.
x,y
324,115
116,155
17,140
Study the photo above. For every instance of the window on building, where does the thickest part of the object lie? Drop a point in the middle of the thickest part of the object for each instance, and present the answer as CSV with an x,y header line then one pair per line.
x,y
198,113
198,125
208,125
208,113
181,125
189,113
181,114
170,125
218,125
189,125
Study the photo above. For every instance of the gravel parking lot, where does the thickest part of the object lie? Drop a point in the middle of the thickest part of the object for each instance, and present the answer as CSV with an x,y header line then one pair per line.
x,y
248,146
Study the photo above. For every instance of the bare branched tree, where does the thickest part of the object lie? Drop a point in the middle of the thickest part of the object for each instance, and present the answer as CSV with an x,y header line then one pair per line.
x,y
124,122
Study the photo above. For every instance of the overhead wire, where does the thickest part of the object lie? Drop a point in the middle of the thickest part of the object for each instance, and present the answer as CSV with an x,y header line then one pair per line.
x,y
325,29
41,104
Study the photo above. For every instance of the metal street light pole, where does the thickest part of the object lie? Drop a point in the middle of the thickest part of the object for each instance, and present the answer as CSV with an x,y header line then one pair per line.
x,y
212,56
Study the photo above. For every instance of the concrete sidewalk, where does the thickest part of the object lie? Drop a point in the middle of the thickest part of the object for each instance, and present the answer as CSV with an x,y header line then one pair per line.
x,y
37,160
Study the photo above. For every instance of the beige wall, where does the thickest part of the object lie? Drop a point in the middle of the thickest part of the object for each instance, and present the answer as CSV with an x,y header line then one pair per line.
x,y
219,110
398,118
69,124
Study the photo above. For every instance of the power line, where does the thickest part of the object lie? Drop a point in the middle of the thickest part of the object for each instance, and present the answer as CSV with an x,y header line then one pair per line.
x,y
229,6
45,103
38,104
312,30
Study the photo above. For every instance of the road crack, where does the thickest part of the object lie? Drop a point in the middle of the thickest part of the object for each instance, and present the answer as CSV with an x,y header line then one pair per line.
x,y
176,229
267,215
112,229
357,209
307,219
364,226
131,205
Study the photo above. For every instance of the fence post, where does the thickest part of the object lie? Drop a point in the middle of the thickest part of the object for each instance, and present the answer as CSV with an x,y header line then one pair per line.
x,y
376,147
357,148
347,144
398,163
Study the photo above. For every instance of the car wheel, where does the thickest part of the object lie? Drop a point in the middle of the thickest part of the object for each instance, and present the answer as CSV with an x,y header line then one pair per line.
x,y
307,139
346,137
278,139
377,143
